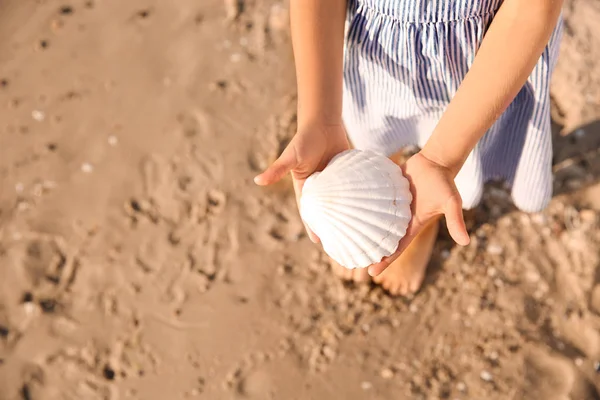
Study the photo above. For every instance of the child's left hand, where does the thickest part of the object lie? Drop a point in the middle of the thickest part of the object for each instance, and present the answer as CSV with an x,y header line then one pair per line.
x,y
434,194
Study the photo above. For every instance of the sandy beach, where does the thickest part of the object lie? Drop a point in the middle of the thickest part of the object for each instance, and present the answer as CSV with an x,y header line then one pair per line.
x,y
139,261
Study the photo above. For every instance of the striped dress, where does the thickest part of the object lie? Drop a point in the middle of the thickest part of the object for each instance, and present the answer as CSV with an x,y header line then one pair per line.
x,y
404,60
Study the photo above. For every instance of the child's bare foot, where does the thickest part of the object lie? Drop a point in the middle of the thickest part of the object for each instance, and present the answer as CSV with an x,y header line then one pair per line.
x,y
405,275
356,275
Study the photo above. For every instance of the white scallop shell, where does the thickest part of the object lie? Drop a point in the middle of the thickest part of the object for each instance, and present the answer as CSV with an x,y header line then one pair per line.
x,y
359,206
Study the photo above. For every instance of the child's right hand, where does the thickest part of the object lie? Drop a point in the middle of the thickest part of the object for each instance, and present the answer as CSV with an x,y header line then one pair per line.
x,y
310,150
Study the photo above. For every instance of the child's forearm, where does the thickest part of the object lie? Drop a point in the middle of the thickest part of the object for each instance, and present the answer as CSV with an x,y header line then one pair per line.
x,y
317,28
506,58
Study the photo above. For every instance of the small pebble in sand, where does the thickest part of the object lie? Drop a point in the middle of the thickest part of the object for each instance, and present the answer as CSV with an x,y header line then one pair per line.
x,y
579,133
87,167
494,249
42,45
538,219
461,387
532,276
38,115
492,272
66,10
113,140
235,57
328,352
56,25
143,13
485,376
233,8
413,308
48,185
37,190
578,362
279,18
30,308
400,366
365,385
588,216
471,310
243,42
387,373
445,254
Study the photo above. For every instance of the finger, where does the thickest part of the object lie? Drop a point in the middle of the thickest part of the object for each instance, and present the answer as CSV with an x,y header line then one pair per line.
x,y
298,185
381,266
455,221
414,227
284,164
378,268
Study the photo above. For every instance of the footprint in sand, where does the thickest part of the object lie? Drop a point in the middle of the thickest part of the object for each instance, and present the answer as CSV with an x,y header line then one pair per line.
x,y
155,174
257,384
152,254
276,228
160,187
547,376
70,375
44,265
32,381
251,377
211,167
552,377
194,123
216,202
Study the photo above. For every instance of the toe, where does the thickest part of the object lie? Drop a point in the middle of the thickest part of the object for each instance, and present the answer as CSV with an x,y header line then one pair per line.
x,y
387,286
340,271
415,285
345,274
394,290
392,287
378,280
402,289
360,275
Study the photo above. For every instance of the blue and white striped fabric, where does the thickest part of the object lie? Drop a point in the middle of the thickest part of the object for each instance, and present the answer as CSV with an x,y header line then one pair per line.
x,y
404,61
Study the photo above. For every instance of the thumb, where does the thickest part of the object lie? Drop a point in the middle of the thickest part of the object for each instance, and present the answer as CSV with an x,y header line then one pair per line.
x,y
455,220
286,162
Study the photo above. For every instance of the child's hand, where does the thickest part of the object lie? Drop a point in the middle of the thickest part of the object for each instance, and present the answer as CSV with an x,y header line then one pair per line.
x,y
434,194
310,150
